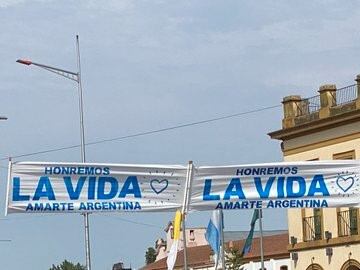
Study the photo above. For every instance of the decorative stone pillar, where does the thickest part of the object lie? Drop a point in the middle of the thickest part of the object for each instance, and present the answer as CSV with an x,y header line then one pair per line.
x,y
358,91
327,99
291,110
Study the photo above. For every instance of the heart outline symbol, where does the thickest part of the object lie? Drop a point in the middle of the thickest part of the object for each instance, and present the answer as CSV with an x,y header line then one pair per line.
x,y
341,181
159,182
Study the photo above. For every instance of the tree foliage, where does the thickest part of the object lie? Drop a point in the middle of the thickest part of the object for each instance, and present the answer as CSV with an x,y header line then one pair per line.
x,y
66,265
233,259
150,255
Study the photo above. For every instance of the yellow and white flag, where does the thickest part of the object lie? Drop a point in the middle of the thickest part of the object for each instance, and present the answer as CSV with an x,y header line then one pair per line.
x,y
171,259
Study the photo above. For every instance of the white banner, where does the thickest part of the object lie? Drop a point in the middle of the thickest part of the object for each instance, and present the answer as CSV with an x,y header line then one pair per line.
x,y
315,184
76,187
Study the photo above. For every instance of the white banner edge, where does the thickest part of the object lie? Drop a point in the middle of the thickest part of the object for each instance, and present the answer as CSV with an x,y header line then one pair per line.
x,y
8,187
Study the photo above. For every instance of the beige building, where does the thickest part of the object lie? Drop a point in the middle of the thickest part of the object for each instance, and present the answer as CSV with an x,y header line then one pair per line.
x,y
323,127
201,257
194,237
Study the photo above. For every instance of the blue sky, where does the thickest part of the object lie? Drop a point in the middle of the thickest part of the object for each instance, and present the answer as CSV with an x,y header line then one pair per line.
x,y
148,65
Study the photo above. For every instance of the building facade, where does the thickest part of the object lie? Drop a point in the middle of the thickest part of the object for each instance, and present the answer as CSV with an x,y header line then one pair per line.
x,y
323,127
194,237
201,257
276,255
272,264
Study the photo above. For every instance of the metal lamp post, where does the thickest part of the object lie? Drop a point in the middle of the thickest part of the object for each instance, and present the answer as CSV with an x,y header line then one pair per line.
x,y
75,76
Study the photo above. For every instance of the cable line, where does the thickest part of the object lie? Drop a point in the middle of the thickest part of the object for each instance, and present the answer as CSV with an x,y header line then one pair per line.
x,y
133,222
144,133
103,215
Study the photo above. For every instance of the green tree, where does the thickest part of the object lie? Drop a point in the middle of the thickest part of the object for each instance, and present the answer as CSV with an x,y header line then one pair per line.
x,y
66,265
150,255
233,259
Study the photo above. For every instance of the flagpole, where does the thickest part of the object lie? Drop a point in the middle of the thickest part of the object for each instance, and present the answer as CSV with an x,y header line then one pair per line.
x,y
189,176
261,241
184,243
222,240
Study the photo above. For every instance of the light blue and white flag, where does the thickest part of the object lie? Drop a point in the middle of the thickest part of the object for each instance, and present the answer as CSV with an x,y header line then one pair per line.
x,y
213,234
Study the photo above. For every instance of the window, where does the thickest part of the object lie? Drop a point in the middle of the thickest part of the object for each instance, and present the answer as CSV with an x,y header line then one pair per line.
x,y
317,223
348,222
345,155
353,215
284,267
312,226
314,266
192,235
172,233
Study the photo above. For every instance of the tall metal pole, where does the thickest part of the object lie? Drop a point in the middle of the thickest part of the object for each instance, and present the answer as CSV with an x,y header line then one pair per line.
x,y
75,76
185,208
261,241
82,148
81,109
222,240
184,241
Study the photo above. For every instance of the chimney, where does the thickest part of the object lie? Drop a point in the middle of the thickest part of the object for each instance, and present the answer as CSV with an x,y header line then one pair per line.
x,y
327,99
358,91
291,110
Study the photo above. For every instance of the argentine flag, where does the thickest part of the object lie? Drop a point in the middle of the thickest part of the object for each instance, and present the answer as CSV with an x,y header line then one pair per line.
x,y
213,234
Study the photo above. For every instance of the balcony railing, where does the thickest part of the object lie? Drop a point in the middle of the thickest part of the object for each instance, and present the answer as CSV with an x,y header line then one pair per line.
x,y
312,228
346,94
342,96
309,105
348,222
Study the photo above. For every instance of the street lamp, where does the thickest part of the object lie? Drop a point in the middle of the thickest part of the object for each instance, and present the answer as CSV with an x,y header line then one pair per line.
x,y
3,118
75,76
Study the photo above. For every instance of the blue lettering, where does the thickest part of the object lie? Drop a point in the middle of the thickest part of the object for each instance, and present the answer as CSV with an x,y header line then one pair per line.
x,y
74,194
290,186
29,207
101,188
106,171
16,191
228,205
48,170
82,206
207,190
91,189
264,193
137,206
280,186
219,206
314,188
127,189
44,182
38,207
235,183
